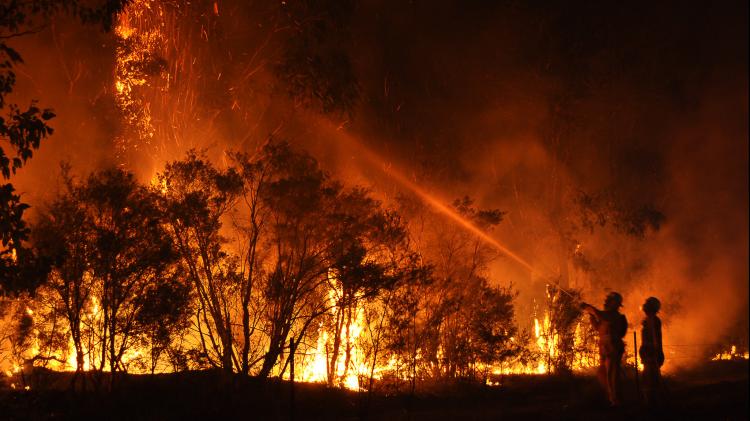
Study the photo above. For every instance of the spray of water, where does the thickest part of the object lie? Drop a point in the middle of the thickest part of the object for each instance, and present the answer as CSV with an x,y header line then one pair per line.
x,y
435,202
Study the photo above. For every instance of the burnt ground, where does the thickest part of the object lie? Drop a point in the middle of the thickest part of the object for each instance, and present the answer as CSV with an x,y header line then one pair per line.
x,y
717,391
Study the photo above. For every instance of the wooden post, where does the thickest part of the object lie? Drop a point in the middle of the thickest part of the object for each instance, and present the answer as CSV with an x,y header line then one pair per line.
x,y
635,354
291,378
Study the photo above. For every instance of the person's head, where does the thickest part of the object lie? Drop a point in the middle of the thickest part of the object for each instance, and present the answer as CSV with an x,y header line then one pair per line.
x,y
613,301
651,306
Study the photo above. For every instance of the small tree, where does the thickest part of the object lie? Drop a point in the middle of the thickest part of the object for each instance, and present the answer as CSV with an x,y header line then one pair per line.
x,y
164,314
460,262
492,326
368,248
298,195
383,340
194,198
70,278
560,333
112,270
130,252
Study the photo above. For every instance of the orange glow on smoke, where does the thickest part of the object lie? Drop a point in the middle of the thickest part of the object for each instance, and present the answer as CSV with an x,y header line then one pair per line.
x,y
430,198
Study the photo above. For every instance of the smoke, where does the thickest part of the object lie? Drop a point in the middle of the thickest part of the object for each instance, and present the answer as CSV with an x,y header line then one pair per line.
x,y
520,106
523,107
64,69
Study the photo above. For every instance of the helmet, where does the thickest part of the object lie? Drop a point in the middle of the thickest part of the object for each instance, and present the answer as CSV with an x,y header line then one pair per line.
x,y
652,305
614,299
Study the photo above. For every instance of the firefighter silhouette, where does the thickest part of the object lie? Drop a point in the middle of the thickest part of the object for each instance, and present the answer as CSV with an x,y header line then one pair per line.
x,y
611,326
651,352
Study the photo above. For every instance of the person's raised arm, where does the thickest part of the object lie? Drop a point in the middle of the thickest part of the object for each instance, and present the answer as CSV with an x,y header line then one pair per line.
x,y
588,308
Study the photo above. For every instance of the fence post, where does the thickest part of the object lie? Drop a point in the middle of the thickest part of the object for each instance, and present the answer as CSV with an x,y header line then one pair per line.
x,y
635,354
291,378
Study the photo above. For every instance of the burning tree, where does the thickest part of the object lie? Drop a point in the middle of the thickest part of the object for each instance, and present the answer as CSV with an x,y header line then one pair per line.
x,y
368,257
299,198
70,277
194,197
382,346
23,128
108,252
462,324
564,340
299,248
130,252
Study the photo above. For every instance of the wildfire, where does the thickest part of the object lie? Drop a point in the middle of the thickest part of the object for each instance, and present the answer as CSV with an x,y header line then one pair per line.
x,y
158,77
136,61
547,343
316,364
159,184
353,363
731,354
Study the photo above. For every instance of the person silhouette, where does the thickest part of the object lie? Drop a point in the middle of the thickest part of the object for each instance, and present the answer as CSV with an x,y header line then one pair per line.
x,y
611,326
650,351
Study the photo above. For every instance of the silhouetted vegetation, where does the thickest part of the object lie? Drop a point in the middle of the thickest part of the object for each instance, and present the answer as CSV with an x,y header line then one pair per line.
x,y
231,269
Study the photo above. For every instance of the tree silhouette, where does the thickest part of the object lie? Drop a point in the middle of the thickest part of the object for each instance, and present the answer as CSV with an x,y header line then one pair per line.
x,y
459,319
109,254
298,196
315,65
62,235
163,314
194,198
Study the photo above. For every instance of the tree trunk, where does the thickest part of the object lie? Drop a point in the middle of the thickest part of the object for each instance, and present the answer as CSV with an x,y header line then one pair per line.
x,y
245,368
348,348
334,356
226,358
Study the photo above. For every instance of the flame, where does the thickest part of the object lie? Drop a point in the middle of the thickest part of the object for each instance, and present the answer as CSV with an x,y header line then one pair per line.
x,y
315,366
136,49
124,30
731,354
314,362
160,184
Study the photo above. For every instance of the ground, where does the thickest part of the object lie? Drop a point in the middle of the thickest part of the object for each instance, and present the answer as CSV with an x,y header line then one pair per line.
x,y
716,391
